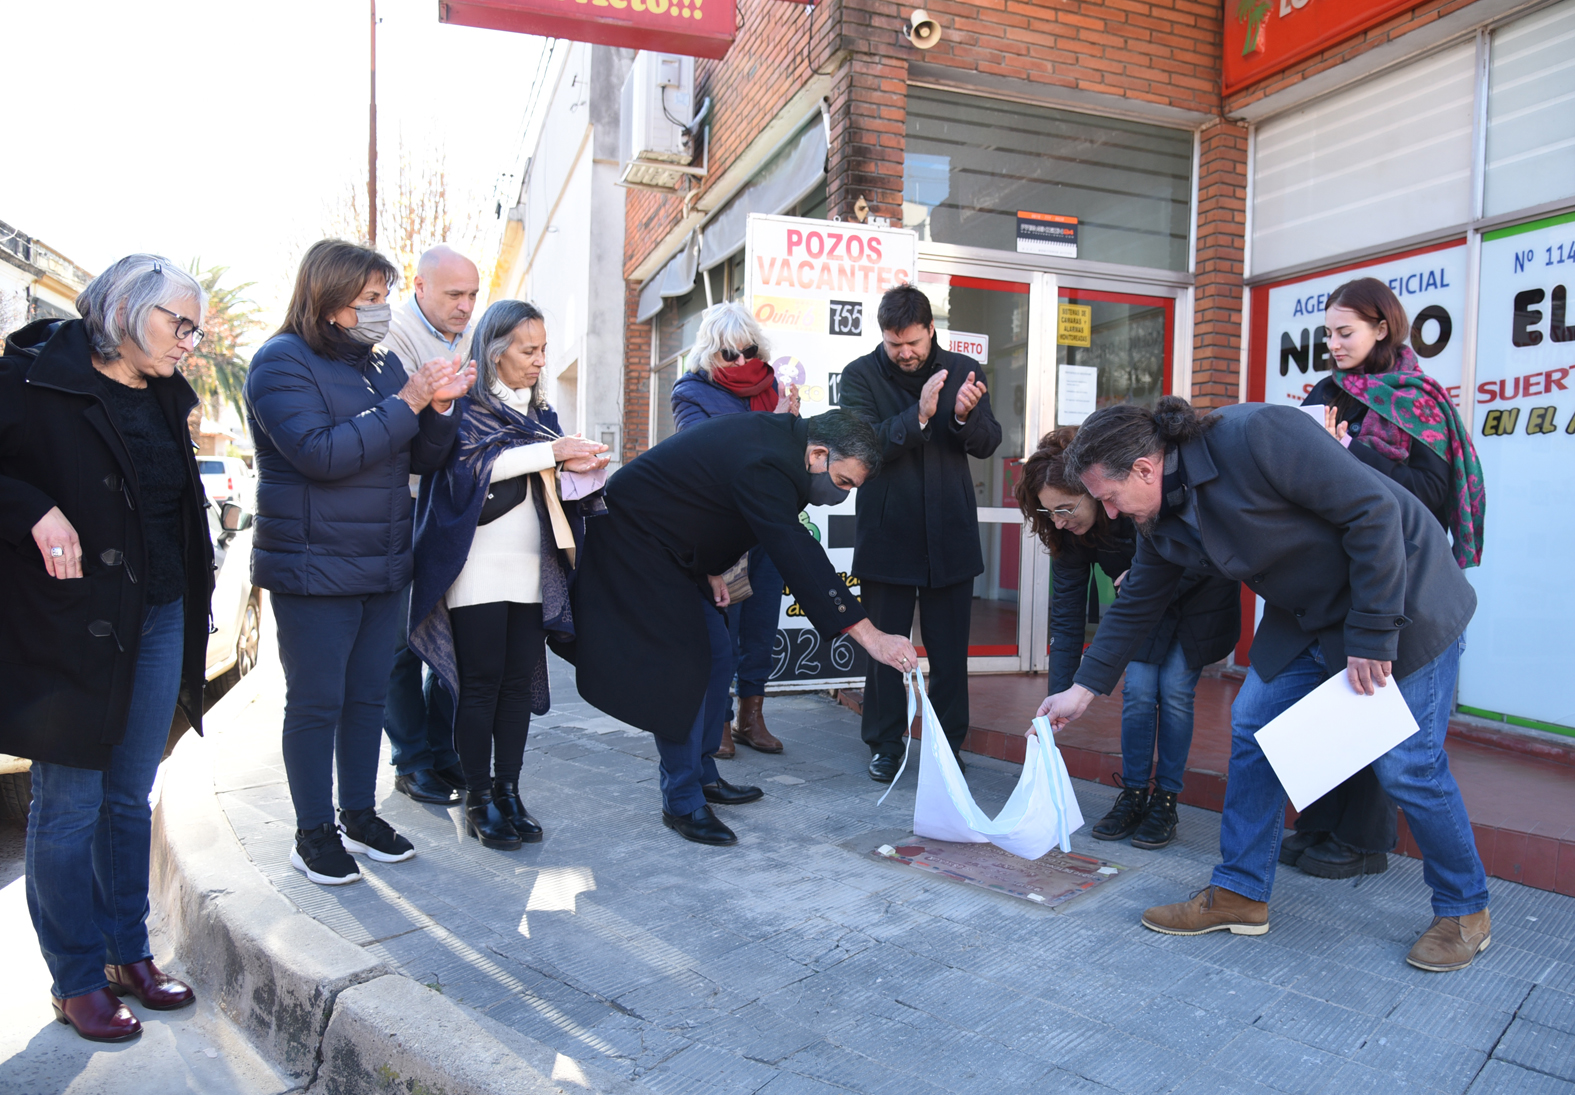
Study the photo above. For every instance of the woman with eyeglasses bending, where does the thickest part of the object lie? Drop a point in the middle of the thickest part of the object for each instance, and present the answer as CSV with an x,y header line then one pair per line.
x,y
728,374
1201,626
106,568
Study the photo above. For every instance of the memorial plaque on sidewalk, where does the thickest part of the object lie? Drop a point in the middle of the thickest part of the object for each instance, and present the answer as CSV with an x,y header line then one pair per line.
x,y
1051,880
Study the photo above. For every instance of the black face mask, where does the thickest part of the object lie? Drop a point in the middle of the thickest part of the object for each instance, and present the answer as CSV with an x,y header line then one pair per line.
x,y
824,492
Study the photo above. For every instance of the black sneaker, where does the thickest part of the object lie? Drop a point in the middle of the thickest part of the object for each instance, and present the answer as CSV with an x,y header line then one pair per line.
x,y
366,833
1292,847
1125,816
1158,827
319,855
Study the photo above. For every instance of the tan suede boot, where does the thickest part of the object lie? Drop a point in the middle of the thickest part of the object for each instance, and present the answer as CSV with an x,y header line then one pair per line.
x,y
752,725
1452,942
1211,909
726,750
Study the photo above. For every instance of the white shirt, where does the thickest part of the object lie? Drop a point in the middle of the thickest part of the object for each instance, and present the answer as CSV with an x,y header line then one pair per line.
x,y
505,557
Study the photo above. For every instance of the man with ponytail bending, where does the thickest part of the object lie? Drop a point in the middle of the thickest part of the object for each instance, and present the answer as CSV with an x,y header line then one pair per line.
x,y
1356,577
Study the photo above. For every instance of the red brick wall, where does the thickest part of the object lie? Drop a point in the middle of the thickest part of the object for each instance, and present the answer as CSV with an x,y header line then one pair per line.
x,y
1222,221
1387,31
636,377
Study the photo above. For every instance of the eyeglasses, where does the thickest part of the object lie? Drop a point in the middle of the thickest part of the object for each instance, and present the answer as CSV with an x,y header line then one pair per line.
x,y
746,353
184,328
1065,513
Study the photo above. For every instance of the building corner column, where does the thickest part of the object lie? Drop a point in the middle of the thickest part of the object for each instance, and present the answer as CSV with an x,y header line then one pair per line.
x,y
636,376
1222,224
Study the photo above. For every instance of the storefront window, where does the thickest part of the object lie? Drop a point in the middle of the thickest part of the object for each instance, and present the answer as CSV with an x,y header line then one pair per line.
x,y
1530,126
972,164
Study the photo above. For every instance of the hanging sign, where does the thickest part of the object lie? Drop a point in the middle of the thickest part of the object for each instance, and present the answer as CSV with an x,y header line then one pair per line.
x,y
1518,655
695,28
814,286
1263,37
1290,351
1075,325
1046,234
965,342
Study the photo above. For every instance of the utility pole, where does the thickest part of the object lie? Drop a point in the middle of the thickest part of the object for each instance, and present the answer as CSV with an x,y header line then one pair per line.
x,y
371,152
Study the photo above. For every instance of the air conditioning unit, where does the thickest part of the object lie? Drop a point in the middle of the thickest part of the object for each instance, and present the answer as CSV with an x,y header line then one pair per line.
x,y
655,142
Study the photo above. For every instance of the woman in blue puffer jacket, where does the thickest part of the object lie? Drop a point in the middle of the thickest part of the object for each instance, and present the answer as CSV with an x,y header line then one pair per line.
x,y
339,429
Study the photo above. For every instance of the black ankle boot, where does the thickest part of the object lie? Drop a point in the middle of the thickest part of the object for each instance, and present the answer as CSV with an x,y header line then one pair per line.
x,y
1125,816
486,824
1158,827
506,796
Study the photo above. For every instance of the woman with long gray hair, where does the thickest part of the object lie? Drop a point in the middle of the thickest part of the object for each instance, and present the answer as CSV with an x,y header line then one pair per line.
x,y
495,548
106,568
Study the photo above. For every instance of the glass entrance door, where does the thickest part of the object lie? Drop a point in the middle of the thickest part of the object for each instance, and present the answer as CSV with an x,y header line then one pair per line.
x,y
989,320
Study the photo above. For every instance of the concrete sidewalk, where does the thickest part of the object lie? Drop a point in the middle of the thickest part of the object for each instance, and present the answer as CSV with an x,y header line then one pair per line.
x,y
793,963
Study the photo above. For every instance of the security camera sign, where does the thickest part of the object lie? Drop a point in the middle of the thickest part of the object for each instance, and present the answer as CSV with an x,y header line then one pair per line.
x,y
815,288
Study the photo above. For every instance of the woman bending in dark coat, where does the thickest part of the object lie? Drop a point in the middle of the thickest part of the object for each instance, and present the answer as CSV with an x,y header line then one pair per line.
x,y
1397,420
106,568
1201,625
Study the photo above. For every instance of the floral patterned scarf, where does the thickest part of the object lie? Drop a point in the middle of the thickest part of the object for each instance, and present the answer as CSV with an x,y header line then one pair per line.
x,y
1408,404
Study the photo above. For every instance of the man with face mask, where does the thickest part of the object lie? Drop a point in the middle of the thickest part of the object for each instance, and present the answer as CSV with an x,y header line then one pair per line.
x,y
917,530
648,592
433,322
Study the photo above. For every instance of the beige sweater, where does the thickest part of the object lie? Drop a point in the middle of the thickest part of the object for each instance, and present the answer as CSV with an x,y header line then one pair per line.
x,y
411,339
505,557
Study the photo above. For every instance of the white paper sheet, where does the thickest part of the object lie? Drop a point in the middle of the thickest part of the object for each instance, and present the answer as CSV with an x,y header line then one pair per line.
x,y
1077,392
1332,733
1315,409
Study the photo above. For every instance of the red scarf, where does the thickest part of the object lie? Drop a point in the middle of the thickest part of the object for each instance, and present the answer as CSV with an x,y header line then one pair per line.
x,y
752,380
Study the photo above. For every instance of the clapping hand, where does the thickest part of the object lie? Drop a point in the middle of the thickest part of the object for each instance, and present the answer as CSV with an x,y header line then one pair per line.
x,y
1332,423
579,454
787,398
438,383
968,397
930,397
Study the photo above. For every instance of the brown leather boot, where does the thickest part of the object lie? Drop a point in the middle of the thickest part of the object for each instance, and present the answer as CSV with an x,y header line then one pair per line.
x,y
1211,909
98,1016
752,725
726,750
1452,942
152,987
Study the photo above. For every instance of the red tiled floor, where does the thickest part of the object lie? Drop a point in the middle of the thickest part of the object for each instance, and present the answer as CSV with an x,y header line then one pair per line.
x,y
1520,794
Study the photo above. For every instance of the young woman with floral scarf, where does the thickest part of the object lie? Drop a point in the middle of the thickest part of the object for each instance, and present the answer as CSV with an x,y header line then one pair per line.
x,y
1401,422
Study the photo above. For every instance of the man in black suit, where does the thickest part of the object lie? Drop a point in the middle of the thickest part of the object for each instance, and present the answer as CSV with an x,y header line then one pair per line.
x,y
651,644
1356,577
917,529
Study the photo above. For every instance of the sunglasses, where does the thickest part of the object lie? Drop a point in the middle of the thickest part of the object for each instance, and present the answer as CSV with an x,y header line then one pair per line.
x,y
746,353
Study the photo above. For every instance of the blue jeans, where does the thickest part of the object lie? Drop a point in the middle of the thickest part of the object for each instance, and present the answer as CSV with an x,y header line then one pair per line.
x,y
752,624
418,719
337,653
89,833
688,765
1415,773
1157,694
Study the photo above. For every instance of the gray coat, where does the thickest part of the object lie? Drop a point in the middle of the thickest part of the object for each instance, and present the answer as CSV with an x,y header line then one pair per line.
x,y
1340,554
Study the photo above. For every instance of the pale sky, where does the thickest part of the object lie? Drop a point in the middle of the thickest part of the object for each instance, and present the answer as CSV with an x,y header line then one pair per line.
x,y
218,129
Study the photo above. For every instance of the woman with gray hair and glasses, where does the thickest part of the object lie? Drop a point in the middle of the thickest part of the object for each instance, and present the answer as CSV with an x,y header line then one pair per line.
x,y
728,374
106,568
495,549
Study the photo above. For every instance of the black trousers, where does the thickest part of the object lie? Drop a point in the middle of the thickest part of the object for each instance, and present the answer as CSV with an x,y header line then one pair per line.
x,y
945,613
1358,812
498,646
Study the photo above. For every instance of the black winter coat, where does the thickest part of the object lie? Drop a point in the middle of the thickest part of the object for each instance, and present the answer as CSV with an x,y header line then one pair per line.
x,y
336,447
68,646
1205,614
1341,555
918,522
686,509
1424,473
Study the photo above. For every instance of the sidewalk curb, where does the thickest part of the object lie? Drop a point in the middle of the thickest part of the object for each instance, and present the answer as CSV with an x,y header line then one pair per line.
x,y
337,1021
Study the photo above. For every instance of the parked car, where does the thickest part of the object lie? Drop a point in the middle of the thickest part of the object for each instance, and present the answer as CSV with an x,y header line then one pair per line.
x,y
225,478
232,645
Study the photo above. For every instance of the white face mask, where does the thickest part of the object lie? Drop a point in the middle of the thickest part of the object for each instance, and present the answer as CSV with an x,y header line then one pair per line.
x,y
371,323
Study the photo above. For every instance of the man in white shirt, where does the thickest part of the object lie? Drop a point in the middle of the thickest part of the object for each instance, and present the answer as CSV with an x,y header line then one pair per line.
x,y
433,322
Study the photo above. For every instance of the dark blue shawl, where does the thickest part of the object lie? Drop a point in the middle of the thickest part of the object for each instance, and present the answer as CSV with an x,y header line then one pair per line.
x,y
447,511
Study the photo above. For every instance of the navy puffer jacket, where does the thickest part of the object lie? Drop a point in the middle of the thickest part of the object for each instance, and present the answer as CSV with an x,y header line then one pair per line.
x,y
335,450
696,399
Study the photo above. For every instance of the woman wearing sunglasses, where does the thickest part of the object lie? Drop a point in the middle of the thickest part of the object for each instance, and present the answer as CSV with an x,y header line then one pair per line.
x,y
1200,626
728,374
